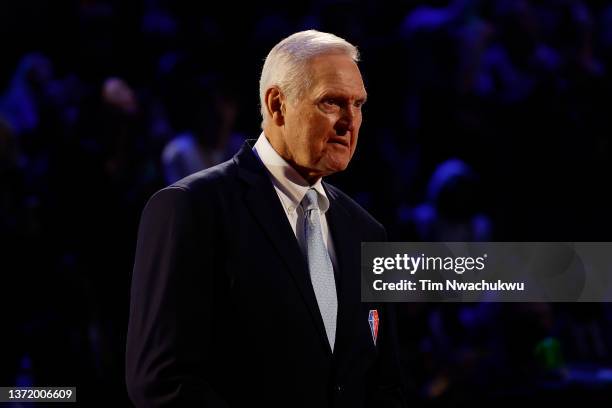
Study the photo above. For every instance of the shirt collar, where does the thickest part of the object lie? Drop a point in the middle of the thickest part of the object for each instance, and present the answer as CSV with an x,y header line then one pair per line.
x,y
286,178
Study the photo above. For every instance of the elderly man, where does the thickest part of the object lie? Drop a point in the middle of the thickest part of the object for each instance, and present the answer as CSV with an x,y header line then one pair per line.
x,y
246,286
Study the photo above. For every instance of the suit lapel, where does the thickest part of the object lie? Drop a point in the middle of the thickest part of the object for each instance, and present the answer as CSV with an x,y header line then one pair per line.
x,y
347,246
262,200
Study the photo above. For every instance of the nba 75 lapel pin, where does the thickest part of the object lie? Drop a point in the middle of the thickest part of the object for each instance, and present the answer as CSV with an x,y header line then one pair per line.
x,y
373,320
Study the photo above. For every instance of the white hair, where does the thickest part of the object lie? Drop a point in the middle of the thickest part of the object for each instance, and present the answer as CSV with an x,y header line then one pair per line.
x,y
286,66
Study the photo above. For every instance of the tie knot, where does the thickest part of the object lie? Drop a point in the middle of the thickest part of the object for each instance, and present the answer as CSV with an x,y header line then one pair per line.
x,y
310,200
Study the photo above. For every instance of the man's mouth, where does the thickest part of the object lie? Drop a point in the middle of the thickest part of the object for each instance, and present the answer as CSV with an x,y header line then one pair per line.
x,y
340,141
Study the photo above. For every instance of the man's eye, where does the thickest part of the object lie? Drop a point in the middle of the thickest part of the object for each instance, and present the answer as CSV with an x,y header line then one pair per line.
x,y
331,102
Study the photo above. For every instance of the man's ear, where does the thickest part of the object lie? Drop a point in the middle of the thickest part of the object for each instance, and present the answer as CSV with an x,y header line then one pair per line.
x,y
275,104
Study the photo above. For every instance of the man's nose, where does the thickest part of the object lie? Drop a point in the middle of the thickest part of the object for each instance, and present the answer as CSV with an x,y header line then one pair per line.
x,y
346,121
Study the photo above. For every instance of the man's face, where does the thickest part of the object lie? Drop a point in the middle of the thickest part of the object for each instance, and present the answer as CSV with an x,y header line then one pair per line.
x,y
321,127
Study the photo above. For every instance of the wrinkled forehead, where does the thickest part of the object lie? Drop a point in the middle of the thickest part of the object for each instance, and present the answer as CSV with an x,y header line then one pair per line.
x,y
336,72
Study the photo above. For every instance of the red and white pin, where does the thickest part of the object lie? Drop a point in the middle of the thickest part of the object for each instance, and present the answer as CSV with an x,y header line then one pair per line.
x,y
373,320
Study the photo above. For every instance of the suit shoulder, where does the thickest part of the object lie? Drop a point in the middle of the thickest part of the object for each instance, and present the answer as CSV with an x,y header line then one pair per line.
x,y
197,189
208,179
354,209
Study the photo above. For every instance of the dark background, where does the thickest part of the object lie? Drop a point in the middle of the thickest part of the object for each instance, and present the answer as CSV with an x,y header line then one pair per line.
x,y
486,120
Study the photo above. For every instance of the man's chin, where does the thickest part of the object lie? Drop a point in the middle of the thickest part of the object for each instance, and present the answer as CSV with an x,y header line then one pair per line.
x,y
335,166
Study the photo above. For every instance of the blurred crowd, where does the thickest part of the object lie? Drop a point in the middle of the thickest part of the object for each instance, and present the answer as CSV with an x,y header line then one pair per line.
x,y
486,120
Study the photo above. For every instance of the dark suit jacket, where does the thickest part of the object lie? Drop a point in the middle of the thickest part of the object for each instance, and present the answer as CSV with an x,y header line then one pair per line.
x,y
223,313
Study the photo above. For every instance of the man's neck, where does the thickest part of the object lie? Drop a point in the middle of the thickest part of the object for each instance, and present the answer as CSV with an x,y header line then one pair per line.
x,y
275,140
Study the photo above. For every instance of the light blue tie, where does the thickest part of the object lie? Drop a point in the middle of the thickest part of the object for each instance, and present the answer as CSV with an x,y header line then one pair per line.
x,y
319,265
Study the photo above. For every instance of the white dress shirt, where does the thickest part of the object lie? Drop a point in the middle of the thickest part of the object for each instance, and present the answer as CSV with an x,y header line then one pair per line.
x,y
291,188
